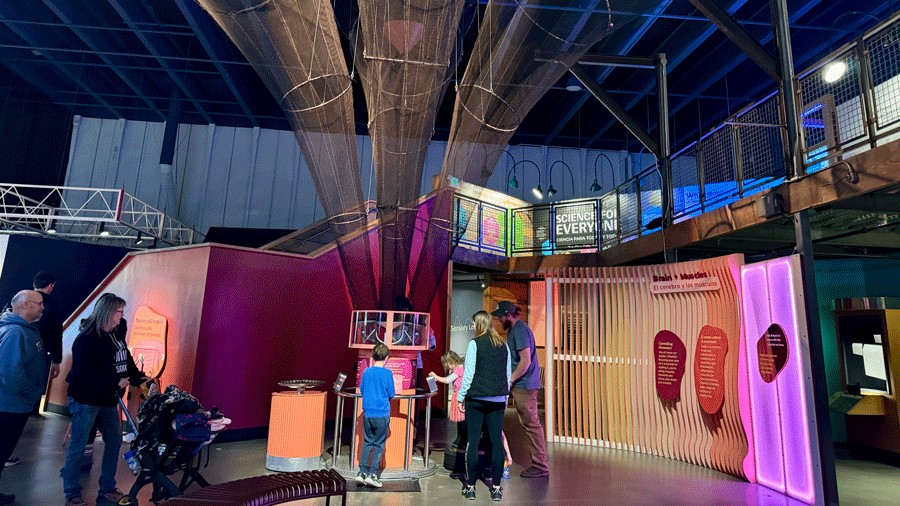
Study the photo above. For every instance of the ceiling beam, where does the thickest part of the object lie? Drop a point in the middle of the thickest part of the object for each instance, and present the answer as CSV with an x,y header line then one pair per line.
x,y
22,34
129,20
604,73
68,19
673,62
198,24
727,25
615,109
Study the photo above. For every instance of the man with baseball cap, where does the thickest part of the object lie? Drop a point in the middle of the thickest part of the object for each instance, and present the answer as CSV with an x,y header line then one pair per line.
x,y
526,382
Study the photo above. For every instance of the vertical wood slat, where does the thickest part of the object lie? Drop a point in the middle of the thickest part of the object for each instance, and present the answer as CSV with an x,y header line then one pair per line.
x,y
605,322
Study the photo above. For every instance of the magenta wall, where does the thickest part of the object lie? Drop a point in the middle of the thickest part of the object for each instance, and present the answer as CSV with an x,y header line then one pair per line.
x,y
269,317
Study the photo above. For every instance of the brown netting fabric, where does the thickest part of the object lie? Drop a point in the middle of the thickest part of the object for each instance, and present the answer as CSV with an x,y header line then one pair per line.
x,y
295,48
406,52
523,48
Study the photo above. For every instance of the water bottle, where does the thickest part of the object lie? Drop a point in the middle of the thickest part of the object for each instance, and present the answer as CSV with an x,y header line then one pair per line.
x,y
161,449
506,470
133,463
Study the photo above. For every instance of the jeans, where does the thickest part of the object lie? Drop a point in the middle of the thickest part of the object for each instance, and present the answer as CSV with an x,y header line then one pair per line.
x,y
375,433
84,416
480,413
11,427
527,408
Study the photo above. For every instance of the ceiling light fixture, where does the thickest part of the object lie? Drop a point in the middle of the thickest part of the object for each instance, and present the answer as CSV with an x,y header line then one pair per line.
x,y
834,71
573,84
102,230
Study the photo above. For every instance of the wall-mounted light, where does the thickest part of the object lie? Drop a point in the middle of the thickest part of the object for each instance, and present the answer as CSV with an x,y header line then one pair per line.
x,y
834,71
537,191
595,186
550,189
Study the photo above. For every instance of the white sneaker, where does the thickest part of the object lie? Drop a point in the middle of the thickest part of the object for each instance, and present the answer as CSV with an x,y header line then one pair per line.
x,y
361,478
373,481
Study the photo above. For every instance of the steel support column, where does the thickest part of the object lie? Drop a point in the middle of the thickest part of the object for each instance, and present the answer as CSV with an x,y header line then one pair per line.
x,y
167,154
781,26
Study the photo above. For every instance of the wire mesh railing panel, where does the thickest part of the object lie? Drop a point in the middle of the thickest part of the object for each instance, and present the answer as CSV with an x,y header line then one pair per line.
x,y
629,209
575,225
531,229
651,199
831,114
719,176
884,64
685,181
493,228
465,216
759,135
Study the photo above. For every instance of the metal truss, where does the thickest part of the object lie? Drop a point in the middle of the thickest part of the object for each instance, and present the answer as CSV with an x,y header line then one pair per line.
x,y
97,215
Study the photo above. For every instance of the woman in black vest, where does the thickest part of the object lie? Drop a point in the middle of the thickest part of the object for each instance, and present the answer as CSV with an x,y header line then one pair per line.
x,y
483,397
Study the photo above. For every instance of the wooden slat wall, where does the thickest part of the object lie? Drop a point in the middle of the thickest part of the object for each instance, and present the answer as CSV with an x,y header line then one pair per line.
x,y
603,322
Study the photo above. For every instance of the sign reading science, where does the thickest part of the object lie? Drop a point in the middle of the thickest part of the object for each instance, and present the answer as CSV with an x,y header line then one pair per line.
x,y
576,226
698,281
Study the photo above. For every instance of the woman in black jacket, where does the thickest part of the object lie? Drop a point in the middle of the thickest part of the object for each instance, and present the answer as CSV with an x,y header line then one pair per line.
x,y
99,371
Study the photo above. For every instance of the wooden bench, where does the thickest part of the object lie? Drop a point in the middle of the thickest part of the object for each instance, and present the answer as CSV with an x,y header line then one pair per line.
x,y
269,489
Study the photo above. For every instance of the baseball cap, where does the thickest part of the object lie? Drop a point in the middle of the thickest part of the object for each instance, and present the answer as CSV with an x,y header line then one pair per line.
x,y
503,307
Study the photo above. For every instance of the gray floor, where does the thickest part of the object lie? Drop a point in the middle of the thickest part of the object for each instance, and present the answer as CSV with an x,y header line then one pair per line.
x,y
580,475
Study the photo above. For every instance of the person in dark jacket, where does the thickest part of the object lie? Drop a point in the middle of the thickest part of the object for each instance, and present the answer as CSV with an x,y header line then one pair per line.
x,y
51,323
23,370
99,371
483,397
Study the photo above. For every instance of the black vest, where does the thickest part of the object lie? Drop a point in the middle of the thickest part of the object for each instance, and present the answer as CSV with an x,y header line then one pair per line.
x,y
489,379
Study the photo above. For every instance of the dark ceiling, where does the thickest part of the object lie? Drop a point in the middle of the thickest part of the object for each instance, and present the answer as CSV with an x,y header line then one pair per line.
x,y
128,58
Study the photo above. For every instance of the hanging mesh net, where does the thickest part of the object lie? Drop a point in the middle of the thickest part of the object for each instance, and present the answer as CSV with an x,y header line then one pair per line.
x,y
404,67
523,48
295,48
406,52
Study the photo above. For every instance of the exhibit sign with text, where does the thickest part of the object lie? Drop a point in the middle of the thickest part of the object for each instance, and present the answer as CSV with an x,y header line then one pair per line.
x,y
669,357
147,341
576,225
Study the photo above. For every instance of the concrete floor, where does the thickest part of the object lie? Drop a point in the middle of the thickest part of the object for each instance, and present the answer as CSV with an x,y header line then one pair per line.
x,y
579,475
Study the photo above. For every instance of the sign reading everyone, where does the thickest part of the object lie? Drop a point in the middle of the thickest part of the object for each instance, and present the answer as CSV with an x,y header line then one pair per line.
x,y
576,226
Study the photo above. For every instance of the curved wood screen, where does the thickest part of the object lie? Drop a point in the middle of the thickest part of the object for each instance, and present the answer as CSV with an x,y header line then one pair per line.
x,y
602,371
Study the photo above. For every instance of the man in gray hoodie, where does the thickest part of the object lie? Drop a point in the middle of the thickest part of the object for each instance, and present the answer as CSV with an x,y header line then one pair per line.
x,y
23,370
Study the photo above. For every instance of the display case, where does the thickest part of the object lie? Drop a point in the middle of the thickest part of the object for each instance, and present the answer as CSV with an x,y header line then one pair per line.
x,y
403,330
868,340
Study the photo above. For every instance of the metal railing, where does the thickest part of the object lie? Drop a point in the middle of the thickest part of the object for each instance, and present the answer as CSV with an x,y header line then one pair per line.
x,y
850,102
90,214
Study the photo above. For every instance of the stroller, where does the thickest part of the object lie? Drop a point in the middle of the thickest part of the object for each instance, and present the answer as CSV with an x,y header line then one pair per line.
x,y
173,428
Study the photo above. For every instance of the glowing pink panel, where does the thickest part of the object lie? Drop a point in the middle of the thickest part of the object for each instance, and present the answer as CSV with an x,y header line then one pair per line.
x,y
783,420
766,426
795,397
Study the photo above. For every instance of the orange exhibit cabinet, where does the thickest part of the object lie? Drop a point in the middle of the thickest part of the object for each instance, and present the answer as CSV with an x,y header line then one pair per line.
x,y
397,445
296,431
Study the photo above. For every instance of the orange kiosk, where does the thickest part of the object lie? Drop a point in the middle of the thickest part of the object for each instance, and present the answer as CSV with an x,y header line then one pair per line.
x,y
406,334
296,428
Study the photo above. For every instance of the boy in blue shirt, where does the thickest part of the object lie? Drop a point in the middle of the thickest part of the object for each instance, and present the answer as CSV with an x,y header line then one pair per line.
x,y
377,388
